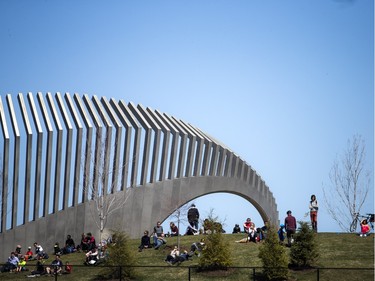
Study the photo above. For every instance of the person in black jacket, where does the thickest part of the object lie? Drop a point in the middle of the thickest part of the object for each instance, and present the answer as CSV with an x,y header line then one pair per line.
x,y
193,216
145,241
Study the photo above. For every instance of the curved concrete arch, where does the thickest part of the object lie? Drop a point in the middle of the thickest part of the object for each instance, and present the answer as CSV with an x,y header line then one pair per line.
x,y
165,163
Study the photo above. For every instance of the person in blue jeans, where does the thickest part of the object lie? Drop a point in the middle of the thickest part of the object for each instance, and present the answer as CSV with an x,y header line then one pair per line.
x,y
158,235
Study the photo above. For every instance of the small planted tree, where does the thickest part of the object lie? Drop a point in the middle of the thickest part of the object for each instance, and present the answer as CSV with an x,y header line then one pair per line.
x,y
274,257
216,254
304,250
118,257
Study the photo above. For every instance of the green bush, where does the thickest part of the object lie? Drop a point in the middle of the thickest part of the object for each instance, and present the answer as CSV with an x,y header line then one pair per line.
x,y
274,257
304,250
216,254
119,254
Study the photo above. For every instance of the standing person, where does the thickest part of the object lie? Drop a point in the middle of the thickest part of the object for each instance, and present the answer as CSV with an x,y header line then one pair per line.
x,y
290,226
193,216
314,213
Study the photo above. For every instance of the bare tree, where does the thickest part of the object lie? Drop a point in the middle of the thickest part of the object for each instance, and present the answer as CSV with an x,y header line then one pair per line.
x,y
180,215
102,187
350,183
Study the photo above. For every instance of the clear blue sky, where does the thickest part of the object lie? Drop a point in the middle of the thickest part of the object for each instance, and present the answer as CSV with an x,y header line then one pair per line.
x,y
284,84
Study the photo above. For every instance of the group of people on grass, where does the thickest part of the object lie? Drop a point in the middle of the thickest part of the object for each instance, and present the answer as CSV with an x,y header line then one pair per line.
x,y
93,253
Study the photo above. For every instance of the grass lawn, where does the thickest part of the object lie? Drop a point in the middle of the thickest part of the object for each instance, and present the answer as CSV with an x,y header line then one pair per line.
x,y
343,250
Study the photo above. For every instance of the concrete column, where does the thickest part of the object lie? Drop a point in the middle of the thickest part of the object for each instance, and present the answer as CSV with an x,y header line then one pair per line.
x,y
29,147
16,162
78,151
5,169
127,144
48,162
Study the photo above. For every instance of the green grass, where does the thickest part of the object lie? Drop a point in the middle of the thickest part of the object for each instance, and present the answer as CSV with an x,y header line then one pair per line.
x,y
341,250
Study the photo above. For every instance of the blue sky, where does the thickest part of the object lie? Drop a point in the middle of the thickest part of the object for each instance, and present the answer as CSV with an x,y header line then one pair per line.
x,y
284,84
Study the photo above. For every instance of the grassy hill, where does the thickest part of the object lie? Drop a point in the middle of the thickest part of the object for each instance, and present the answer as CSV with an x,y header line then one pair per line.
x,y
348,252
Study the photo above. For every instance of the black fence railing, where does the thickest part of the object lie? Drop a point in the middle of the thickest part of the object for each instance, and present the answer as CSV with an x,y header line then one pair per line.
x,y
83,272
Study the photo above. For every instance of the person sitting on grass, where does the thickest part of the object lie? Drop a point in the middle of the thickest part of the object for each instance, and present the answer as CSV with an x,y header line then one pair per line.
x,y
365,228
21,265
39,269
160,240
145,241
68,268
11,264
29,254
174,229
55,267
236,229
92,257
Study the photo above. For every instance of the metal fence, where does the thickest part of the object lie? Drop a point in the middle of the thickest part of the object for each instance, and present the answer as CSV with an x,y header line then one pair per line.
x,y
82,272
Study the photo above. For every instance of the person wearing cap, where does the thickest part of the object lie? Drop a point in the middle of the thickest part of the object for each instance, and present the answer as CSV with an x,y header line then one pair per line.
x,y
290,227
17,252
281,233
29,254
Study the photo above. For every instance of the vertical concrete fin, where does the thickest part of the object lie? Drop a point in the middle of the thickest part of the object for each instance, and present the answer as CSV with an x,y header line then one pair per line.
x,y
39,156
156,145
68,153
78,151
48,164
28,169
16,162
136,142
5,168
127,144
87,154
165,146
147,140
117,144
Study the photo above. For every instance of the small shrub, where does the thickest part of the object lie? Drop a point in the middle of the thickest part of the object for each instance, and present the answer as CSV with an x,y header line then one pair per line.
x,y
216,253
119,254
304,250
274,257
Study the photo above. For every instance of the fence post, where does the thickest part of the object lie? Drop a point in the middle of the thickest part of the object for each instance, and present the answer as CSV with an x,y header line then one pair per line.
x,y
253,273
317,274
120,272
189,273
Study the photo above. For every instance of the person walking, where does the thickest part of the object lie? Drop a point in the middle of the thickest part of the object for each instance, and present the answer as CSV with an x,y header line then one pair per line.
x,y
314,212
193,216
290,227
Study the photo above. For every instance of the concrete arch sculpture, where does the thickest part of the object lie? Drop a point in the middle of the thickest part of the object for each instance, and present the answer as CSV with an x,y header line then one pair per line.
x,y
54,146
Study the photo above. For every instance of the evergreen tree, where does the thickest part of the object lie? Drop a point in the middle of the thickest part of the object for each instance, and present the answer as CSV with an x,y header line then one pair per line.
x,y
304,250
216,254
274,257
119,254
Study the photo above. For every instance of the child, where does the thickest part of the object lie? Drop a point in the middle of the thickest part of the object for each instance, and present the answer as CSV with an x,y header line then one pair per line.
x,y
68,268
21,265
